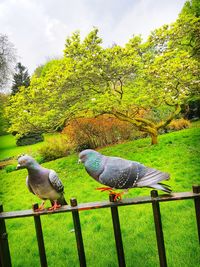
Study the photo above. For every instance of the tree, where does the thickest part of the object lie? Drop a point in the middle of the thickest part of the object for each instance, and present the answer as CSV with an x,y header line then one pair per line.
x,y
38,71
20,78
184,33
4,124
191,7
7,59
142,83
41,106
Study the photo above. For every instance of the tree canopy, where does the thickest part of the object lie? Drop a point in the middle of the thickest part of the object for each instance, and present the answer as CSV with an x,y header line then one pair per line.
x,y
143,83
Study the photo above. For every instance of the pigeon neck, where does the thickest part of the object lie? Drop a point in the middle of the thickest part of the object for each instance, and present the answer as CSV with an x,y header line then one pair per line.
x,y
34,168
94,166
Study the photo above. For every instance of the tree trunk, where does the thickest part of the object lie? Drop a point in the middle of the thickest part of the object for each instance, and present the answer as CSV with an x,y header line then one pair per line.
x,y
154,139
143,125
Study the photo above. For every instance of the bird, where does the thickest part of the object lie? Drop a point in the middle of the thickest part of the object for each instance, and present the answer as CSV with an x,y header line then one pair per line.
x,y
42,182
120,173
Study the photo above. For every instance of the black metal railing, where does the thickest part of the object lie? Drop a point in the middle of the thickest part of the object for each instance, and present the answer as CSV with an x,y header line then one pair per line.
x,y
75,208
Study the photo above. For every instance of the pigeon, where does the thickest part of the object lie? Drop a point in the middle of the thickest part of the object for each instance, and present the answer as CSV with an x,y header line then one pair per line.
x,y
119,173
42,182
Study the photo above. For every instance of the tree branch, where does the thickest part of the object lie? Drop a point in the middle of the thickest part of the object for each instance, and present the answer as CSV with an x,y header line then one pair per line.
x,y
163,124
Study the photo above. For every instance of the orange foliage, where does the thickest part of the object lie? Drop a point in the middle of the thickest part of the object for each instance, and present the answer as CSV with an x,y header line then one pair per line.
x,y
97,132
179,124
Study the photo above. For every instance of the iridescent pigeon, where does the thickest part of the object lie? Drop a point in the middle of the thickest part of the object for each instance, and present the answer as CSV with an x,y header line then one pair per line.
x,y
43,182
119,173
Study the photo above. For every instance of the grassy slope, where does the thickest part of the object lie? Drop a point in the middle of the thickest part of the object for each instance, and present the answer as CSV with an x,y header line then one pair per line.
x,y
8,146
177,153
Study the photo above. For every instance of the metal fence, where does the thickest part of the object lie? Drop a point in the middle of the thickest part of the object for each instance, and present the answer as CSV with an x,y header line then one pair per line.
x,y
75,208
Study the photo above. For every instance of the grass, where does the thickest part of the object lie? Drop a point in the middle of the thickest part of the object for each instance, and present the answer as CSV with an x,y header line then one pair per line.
x,y
178,153
8,147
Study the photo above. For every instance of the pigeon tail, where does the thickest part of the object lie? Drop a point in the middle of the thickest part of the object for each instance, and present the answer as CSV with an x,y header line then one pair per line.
x,y
152,179
162,187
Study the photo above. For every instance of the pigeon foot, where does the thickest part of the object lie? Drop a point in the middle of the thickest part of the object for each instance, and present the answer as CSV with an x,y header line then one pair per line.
x,y
41,208
117,196
55,206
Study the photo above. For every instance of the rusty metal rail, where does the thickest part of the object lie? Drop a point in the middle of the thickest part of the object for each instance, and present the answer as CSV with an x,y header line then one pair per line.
x,y
75,208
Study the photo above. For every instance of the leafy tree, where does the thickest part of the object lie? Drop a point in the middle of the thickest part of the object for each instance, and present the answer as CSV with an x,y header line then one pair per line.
x,y
183,34
142,83
20,78
38,71
4,124
191,7
7,59
41,69
41,108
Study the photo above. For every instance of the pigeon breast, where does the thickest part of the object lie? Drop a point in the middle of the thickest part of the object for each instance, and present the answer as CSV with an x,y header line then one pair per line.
x,y
42,187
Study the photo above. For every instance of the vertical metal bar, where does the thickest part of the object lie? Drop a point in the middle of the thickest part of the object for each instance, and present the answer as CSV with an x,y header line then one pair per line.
x,y
40,239
5,259
78,233
158,228
196,190
117,233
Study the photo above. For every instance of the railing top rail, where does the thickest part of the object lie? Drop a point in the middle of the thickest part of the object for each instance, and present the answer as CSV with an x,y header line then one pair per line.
x,y
104,204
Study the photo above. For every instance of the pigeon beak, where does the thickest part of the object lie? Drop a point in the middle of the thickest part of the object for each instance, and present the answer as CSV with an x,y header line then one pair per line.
x,y
18,167
79,161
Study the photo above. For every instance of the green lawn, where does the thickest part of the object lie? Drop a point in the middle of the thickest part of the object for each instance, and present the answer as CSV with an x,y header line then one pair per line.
x,y
8,147
177,153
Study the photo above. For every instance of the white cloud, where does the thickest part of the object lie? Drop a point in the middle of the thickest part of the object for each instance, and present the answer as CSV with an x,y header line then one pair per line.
x,y
38,29
145,17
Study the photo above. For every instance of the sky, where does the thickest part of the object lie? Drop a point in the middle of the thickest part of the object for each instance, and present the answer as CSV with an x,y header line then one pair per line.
x,y
38,28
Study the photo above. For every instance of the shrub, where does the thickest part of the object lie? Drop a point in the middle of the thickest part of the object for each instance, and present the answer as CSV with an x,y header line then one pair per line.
x,y
191,111
97,132
179,124
29,139
10,168
54,149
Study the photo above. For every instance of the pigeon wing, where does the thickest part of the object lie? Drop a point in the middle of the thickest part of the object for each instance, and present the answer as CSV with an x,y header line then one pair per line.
x,y
29,186
119,180
120,173
55,181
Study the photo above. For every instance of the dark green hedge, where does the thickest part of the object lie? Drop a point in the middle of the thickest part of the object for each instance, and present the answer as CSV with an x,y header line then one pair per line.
x,y
29,139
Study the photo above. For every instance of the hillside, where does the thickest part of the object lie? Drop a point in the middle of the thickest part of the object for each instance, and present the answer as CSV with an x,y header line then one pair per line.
x,y
177,153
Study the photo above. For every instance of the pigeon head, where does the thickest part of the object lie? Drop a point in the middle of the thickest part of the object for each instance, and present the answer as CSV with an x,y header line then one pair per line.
x,y
26,161
93,162
87,154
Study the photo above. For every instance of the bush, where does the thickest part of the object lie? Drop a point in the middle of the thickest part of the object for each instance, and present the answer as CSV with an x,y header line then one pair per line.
x,y
10,168
179,124
191,111
98,132
29,139
54,149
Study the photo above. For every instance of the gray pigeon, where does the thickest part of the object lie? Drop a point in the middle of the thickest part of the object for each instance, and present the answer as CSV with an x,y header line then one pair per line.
x,y
118,173
43,182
